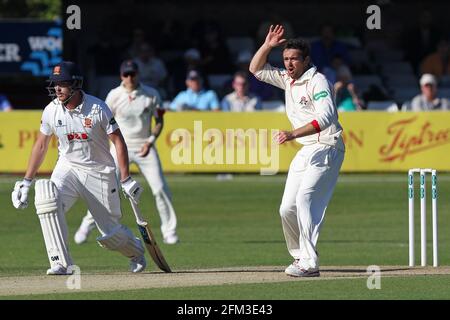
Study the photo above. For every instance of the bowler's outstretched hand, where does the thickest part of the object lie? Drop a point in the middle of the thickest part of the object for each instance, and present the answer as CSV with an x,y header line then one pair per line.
x,y
274,37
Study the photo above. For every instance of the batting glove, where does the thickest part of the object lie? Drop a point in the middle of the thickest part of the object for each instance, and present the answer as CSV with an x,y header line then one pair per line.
x,y
131,189
19,195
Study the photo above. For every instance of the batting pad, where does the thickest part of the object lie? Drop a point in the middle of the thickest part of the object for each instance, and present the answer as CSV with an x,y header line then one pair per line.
x,y
53,223
121,239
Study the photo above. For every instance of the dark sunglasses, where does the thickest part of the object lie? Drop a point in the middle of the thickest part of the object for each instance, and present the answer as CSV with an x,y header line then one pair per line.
x,y
127,74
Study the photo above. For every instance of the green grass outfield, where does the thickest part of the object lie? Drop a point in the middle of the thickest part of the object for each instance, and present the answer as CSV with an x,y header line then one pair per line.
x,y
236,224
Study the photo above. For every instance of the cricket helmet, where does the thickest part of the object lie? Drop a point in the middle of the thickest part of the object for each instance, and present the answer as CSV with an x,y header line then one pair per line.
x,y
65,71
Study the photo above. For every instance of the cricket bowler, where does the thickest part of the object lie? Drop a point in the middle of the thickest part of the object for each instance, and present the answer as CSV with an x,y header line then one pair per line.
x,y
313,173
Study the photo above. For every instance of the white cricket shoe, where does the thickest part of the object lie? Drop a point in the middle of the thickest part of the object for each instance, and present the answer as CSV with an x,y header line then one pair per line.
x,y
58,270
294,265
83,233
171,239
138,264
295,270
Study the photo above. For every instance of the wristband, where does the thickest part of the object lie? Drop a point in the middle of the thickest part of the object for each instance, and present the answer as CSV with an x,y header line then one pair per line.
x,y
27,182
151,139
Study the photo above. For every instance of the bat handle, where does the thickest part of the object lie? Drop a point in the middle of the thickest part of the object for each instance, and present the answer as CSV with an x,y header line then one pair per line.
x,y
137,213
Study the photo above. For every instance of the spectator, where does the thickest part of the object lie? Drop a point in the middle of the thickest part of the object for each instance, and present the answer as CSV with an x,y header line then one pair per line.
x,y
421,40
438,63
195,97
216,58
5,105
323,50
171,34
331,72
105,53
241,99
191,60
139,38
345,91
428,100
151,69
263,90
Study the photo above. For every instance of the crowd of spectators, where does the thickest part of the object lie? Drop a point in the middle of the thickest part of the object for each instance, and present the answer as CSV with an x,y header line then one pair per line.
x,y
200,66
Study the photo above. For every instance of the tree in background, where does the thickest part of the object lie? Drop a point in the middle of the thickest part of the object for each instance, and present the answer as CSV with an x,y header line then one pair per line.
x,y
40,9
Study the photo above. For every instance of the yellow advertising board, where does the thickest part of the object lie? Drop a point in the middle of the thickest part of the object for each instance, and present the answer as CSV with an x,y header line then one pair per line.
x,y
242,142
18,131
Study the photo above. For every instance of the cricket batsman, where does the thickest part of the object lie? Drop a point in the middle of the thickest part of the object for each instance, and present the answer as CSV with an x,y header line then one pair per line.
x,y
313,173
85,169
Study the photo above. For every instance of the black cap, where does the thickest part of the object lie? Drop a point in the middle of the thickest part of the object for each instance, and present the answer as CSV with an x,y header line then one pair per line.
x,y
128,66
65,71
193,75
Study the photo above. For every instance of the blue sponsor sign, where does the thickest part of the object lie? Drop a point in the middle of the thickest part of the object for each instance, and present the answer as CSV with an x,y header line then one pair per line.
x,y
30,47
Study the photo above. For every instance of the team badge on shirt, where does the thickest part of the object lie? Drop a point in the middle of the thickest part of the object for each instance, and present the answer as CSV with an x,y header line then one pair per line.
x,y
303,101
59,124
56,70
87,123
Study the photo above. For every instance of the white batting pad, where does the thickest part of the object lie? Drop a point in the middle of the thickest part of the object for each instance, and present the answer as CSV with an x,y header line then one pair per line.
x,y
121,239
53,223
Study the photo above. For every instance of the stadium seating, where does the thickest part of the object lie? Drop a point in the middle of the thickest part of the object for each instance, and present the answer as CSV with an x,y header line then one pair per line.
x,y
445,82
273,105
238,44
217,83
105,84
399,67
390,106
402,80
402,94
363,82
444,92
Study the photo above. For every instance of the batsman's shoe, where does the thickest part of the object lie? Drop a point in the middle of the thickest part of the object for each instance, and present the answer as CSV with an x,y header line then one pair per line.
x,y
138,264
58,270
294,270
171,239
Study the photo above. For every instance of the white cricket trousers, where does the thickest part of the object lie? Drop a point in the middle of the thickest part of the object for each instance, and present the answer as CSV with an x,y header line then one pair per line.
x,y
311,179
150,167
99,191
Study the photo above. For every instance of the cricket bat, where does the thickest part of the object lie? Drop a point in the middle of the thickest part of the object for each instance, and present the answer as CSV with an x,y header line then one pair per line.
x,y
149,239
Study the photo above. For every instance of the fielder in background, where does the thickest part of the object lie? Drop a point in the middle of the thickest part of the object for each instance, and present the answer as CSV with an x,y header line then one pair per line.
x,y
314,170
133,106
85,169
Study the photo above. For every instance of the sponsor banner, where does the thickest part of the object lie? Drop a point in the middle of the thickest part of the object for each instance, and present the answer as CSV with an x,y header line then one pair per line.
x,y
18,132
242,142
378,141
30,47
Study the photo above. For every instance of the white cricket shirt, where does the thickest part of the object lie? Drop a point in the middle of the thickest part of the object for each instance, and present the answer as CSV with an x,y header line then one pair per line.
x,y
308,100
82,133
133,112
